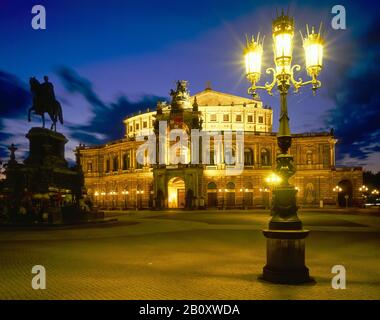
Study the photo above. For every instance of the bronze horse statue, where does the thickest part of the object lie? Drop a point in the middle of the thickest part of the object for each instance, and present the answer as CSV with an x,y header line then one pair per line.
x,y
44,101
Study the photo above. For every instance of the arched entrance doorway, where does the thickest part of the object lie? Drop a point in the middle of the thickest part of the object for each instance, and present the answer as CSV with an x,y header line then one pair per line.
x,y
230,195
176,193
212,195
345,196
248,195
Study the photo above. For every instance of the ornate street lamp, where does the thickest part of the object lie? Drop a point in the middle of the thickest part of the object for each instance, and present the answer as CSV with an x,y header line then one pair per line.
x,y
285,235
364,190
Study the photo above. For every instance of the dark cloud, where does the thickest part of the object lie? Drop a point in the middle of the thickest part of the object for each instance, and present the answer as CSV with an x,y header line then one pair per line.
x,y
14,101
108,118
77,84
14,96
356,115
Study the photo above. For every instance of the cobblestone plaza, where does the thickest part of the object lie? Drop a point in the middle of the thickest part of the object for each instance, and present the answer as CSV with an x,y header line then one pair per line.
x,y
188,255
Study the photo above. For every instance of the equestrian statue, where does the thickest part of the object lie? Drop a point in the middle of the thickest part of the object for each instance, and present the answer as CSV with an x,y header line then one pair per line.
x,y
44,101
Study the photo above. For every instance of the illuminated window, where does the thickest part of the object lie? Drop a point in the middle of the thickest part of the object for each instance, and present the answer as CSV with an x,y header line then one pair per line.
x,y
265,157
213,117
226,117
126,161
108,165
248,157
250,118
229,156
238,117
261,119
309,157
115,164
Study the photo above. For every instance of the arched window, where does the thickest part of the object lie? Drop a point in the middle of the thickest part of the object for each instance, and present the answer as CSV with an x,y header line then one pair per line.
x,y
248,185
108,163
309,157
115,163
230,185
126,161
265,157
212,196
212,157
230,195
212,186
248,157
229,156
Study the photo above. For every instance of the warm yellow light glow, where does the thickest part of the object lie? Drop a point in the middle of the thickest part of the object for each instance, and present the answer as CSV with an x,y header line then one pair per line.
x,y
283,45
283,31
363,188
172,197
375,192
313,46
337,189
273,179
96,193
253,57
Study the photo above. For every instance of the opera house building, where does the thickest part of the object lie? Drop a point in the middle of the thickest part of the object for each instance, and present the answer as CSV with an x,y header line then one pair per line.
x,y
116,177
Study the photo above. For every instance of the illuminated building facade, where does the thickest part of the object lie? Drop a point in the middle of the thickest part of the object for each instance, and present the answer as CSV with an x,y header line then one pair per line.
x,y
114,177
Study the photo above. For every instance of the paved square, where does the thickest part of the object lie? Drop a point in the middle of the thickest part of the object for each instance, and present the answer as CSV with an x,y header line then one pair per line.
x,y
188,255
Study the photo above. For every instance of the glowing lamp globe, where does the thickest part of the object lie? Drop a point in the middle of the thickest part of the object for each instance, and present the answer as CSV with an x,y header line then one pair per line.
x,y
253,58
283,32
313,46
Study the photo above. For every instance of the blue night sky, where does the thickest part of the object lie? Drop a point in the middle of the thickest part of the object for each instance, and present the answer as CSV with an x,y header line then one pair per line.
x,y
108,59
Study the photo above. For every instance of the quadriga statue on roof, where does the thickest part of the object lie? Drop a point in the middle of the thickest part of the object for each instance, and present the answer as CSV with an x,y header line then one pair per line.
x,y
44,101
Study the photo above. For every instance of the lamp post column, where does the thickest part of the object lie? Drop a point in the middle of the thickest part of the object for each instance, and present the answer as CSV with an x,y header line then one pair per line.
x,y
285,235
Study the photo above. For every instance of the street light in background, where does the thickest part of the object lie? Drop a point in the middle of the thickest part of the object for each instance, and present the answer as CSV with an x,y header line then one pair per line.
x,y
337,190
285,262
139,194
364,192
103,194
265,197
125,193
244,191
272,181
96,194
222,191
113,194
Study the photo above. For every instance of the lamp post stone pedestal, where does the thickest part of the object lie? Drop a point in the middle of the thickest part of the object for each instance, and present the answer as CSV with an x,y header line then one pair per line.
x,y
286,257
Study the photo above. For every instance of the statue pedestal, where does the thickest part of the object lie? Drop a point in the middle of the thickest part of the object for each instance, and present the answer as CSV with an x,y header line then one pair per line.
x,y
46,148
286,257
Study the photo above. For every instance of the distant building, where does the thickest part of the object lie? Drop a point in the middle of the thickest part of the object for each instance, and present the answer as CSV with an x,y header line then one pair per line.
x,y
115,179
